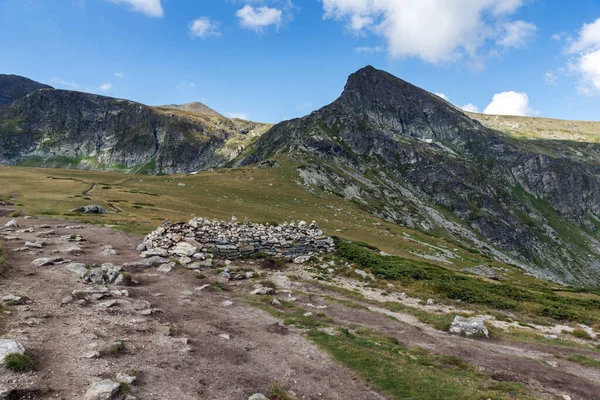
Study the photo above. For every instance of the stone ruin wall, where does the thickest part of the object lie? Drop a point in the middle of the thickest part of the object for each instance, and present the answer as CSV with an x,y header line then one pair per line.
x,y
233,240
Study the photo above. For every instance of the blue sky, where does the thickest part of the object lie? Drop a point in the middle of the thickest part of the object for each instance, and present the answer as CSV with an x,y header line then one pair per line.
x,y
269,60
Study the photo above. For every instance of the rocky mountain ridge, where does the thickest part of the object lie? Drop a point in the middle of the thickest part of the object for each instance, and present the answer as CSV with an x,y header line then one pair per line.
x,y
412,158
403,154
59,128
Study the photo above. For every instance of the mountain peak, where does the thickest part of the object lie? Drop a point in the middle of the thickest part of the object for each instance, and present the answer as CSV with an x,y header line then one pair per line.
x,y
195,107
13,87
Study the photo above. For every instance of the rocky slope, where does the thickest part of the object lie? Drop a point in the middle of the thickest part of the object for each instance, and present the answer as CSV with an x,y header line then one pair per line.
x,y
58,128
411,157
13,87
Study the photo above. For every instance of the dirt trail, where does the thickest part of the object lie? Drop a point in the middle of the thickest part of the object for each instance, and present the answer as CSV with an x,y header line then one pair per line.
x,y
192,346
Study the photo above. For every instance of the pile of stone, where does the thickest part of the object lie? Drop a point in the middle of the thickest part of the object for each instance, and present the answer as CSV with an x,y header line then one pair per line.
x,y
201,237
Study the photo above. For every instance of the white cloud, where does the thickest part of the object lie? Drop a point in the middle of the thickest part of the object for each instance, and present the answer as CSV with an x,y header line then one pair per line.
x,y
443,96
105,87
470,108
586,61
151,8
259,18
516,34
589,38
238,115
119,74
432,30
510,103
61,82
203,27
375,49
186,86
551,78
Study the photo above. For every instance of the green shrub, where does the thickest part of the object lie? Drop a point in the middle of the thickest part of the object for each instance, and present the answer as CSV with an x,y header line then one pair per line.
x,y
17,362
276,392
433,281
580,333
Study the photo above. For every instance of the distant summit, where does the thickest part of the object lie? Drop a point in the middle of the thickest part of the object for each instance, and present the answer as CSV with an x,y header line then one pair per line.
x,y
195,107
13,87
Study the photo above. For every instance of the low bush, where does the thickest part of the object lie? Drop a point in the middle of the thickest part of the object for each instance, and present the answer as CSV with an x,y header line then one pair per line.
x,y
17,362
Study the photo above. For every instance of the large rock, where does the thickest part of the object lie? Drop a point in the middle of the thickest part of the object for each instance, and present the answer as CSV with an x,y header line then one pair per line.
x,y
183,249
93,209
103,390
12,224
470,327
40,262
482,270
77,268
10,346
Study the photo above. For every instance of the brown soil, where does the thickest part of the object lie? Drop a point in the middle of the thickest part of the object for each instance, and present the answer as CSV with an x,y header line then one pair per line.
x,y
177,351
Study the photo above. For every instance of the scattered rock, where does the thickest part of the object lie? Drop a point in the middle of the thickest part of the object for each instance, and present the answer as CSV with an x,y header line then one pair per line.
x,y
227,303
263,290
41,262
36,245
103,390
77,268
282,281
430,302
362,273
301,259
11,224
482,270
258,396
470,327
108,250
9,346
14,300
93,209
165,268
73,250
125,378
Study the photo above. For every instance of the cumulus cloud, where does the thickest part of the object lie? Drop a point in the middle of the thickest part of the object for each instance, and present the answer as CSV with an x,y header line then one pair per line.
x,y
259,18
586,62
151,8
470,108
515,34
510,103
203,27
433,30
119,74
467,107
69,84
105,87
238,115
375,49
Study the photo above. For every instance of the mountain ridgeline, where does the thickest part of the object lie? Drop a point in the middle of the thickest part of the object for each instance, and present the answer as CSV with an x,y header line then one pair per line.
x,y
394,149
59,128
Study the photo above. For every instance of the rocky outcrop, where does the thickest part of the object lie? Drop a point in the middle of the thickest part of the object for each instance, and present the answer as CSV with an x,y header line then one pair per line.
x,y
200,237
412,158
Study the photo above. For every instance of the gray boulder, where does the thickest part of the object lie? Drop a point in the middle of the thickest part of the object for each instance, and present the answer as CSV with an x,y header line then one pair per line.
x,y
9,346
470,327
103,390
482,270
93,209
258,396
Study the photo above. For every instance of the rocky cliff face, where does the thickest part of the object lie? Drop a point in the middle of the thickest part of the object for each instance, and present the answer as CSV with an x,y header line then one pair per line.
x,y
411,157
60,128
13,87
